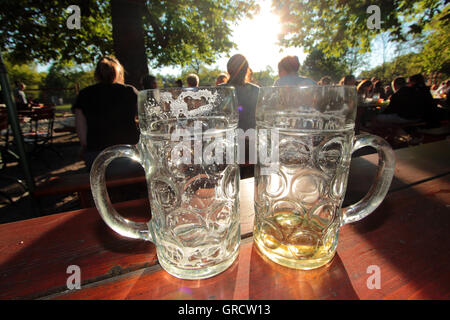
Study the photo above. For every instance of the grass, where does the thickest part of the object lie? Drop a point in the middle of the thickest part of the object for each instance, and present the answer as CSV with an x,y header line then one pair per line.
x,y
63,107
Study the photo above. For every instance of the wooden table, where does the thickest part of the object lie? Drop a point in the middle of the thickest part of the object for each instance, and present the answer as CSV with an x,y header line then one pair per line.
x,y
407,238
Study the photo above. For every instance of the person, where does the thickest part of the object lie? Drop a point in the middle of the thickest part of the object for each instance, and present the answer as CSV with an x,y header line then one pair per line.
x,y
192,80
388,91
324,81
404,105
288,73
149,82
179,83
443,88
105,112
222,78
246,92
348,80
378,90
247,97
20,96
427,103
364,89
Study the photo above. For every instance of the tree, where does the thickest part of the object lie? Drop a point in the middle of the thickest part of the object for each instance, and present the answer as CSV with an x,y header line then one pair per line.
x,y
436,52
264,77
317,65
402,66
26,73
172,32
333,26
61,80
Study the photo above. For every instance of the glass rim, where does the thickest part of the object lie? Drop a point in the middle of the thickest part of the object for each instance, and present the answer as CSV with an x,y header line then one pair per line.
x,y
168,89
315,86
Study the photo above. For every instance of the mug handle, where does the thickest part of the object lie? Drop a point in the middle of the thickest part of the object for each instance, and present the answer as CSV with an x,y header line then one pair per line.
x,y
124,227
383,179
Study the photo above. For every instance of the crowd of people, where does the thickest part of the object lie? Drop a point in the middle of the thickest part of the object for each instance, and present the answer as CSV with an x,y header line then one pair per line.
x,y
105,112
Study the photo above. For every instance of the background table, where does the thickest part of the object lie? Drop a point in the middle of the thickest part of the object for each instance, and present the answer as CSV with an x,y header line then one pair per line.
x,y
406,237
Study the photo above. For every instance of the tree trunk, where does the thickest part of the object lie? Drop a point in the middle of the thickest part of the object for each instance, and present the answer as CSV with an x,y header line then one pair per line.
x,y
128,37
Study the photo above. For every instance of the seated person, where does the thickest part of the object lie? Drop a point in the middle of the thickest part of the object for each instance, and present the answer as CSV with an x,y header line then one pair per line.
x,y
388,91
20,97
364,90
149,82
222,78
428,106
192,80
348,80
246,92
324,81
288,72
404,105
105,112
378,90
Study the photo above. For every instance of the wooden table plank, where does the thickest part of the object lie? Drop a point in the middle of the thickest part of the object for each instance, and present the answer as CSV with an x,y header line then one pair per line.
x,y
35,253
407,237
413,165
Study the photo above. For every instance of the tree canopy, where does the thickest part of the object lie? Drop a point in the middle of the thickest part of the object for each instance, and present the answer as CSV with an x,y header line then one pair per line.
x,y
175,32
333,26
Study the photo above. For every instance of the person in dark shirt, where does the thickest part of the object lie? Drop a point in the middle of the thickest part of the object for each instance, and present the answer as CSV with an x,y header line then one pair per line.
x,y
404,105
105,113
149,82
246,92
424,97
247,97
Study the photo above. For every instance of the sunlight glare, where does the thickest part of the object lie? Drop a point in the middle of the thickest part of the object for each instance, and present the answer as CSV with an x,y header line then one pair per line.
x,y
257,39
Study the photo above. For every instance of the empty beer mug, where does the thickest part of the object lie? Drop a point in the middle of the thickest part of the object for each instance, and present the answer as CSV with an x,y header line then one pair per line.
x,y
305,139
188,153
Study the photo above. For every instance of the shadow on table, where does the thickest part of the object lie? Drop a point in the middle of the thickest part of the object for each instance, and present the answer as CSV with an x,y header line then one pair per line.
x,y
271,281
408,236
39,266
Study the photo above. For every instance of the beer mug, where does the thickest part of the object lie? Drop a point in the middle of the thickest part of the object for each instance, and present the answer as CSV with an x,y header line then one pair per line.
x,y
305,139
187,150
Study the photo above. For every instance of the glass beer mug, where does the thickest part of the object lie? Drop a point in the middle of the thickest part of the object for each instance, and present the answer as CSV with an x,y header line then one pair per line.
x,y
305,141
188,153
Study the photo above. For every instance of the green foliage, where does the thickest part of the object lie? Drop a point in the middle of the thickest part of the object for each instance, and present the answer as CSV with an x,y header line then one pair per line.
x,y
435,56
62,78
403,66
207,76
176,32
265,77
317,65
26,73
37,30
333,26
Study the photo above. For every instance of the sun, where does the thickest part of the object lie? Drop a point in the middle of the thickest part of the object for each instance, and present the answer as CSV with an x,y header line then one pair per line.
x,y
257,39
